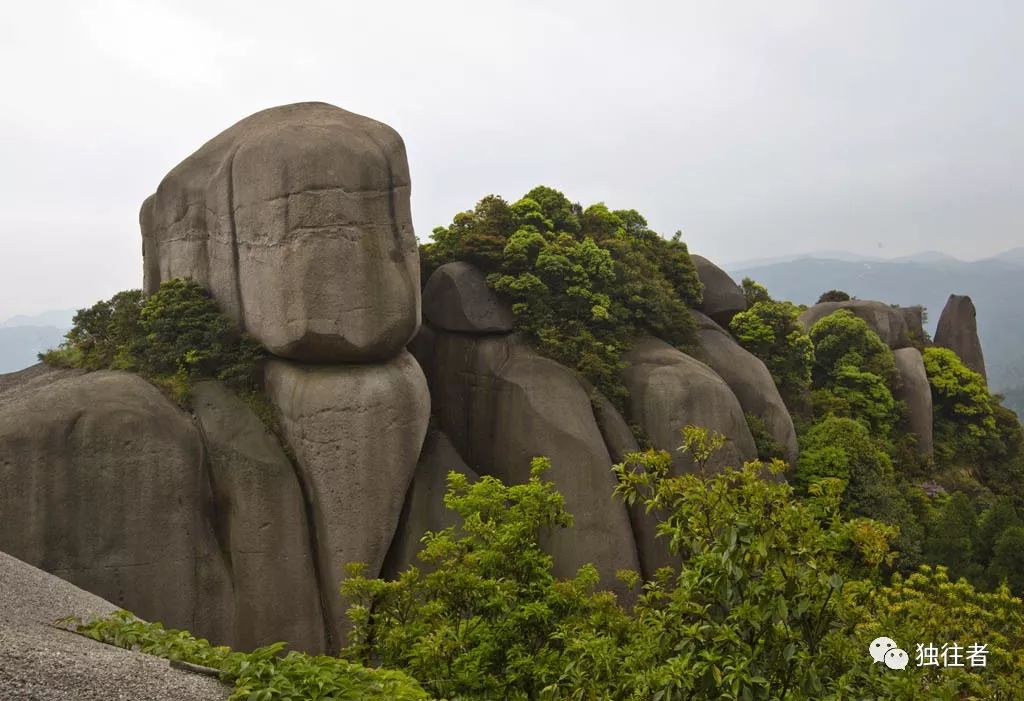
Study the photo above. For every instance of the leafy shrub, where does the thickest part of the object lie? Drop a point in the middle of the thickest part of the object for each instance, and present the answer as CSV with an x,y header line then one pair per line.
x,y
582,282
770,330
834,296
102,335
173,337
964,419
262,675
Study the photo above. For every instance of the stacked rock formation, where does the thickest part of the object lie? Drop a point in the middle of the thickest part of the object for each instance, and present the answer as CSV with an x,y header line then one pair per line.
x,y
297,220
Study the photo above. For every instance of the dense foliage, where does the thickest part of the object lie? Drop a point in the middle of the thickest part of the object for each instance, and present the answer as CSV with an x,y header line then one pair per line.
x,y
770,330
173,337
834,296
582,282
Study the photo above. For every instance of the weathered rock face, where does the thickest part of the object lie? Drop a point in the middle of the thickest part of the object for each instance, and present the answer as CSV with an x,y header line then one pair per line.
x,y
38,661
356,431
958,331
502,404
261,525
297,220
457,298
668,390
749,380
914,319
917,393
887,321
723,298
102,483
424,508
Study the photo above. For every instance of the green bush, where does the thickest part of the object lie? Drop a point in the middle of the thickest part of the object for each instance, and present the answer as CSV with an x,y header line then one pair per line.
x,y
174,337
770,330
834,296
582,282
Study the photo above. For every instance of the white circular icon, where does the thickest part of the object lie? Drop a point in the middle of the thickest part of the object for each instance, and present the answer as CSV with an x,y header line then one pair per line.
x,y
896,659
880,646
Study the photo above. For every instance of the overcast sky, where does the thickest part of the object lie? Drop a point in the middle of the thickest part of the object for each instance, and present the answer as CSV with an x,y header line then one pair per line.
x,y
759,129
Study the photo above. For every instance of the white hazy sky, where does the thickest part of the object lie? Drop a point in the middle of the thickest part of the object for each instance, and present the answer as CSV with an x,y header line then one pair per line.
x,y
759,129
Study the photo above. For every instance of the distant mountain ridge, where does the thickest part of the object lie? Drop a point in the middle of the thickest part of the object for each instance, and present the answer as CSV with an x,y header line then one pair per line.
x,y
995,284
22,337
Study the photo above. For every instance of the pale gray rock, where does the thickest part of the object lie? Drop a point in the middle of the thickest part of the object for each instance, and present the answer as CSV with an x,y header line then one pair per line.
x,y
749,380
261,523
958,331
723,298
669,390
889,322
424,508
356,431
502,405
916,391
40,662
297,220
102,483
457,298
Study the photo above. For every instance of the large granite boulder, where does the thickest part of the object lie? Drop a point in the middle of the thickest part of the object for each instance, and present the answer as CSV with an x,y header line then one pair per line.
x,y
651,549
41,662
424,508
297,220
102,482
749,380
356,431
669,390
916,391
723,298
261,524
457,298
889,322
958,331
502,404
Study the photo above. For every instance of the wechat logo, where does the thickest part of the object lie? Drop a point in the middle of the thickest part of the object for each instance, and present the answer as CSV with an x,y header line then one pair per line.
x,y
884,650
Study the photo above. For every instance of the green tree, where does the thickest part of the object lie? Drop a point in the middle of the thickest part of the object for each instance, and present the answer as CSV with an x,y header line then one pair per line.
x,y
951,537
102,334
842,340
1008,559
992,523
834,296
964,419
486,620
770,330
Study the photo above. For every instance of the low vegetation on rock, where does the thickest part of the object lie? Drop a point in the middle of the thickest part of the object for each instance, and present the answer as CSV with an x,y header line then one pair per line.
x,y
583,282
173,337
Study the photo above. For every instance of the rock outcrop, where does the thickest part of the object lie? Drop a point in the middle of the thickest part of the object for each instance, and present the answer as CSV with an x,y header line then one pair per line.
x,y
958,331
297,220
749,380
668,390
261,526
103,484
502,404
889,322
457,298
424,508
356,431
916,391
723,298
40,662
